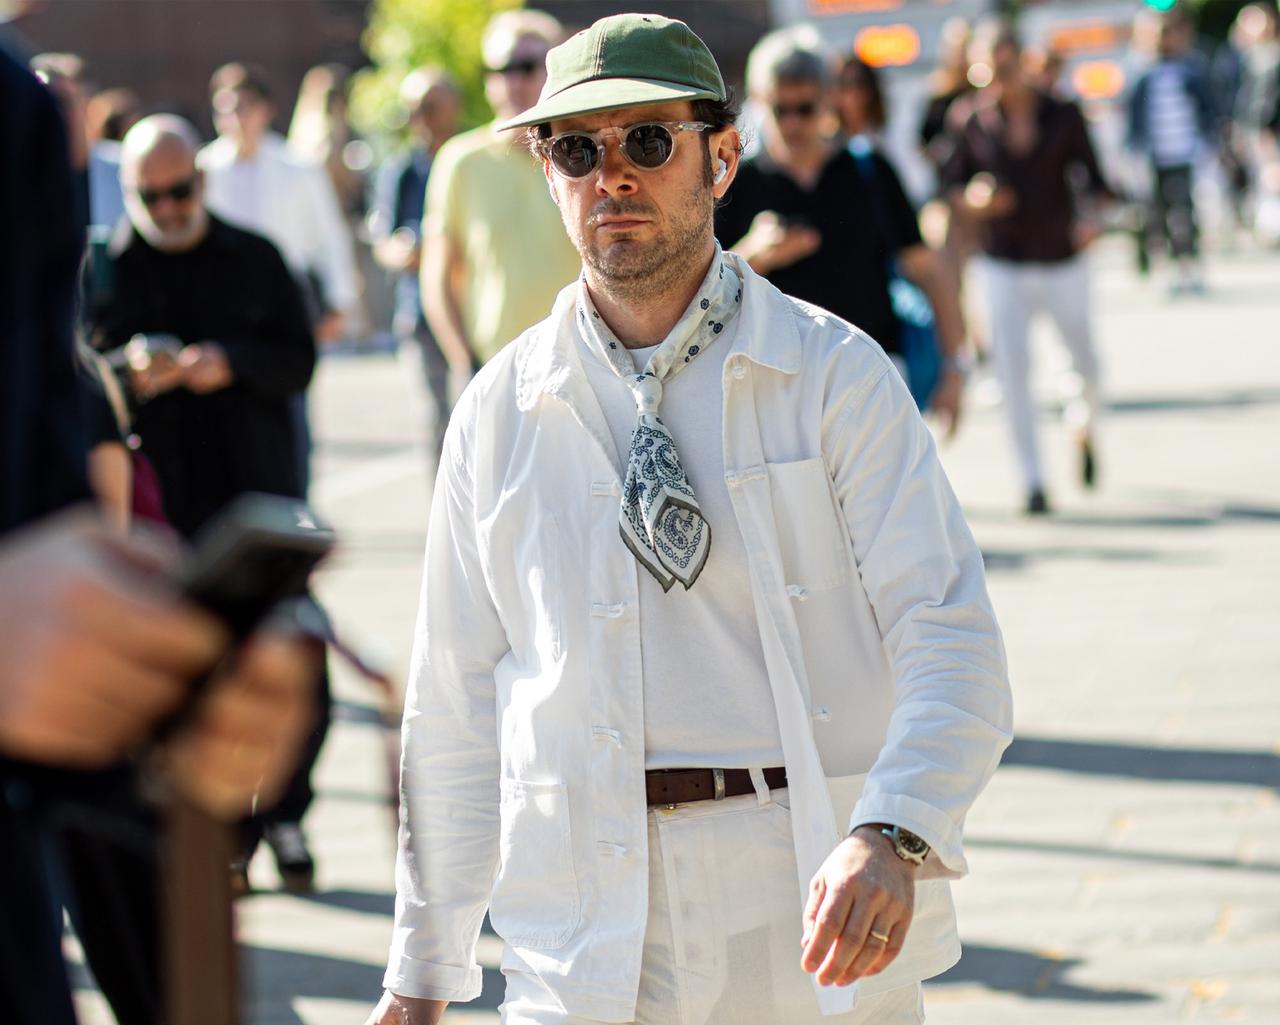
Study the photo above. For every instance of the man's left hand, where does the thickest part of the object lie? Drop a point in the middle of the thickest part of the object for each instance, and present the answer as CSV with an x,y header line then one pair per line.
x,y
205,368
863,888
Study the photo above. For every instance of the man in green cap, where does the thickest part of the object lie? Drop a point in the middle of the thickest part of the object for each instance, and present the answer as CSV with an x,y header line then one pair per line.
x,y
710,771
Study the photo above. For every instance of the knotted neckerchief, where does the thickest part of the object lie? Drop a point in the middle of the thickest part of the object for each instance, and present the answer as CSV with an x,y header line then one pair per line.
x,y
660,519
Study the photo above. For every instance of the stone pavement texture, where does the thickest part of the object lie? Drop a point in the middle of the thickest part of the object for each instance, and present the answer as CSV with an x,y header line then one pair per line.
x,y
1126,858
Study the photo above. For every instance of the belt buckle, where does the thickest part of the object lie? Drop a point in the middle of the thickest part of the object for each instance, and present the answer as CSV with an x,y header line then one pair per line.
x,y
717,776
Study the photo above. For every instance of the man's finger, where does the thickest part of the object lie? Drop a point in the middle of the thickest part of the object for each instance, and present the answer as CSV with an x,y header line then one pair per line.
x,y
851,942
817,889
828,925
140,620
897,936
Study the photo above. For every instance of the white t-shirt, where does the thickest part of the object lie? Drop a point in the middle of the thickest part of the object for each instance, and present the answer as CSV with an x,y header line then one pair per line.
x,y
242,194
707,699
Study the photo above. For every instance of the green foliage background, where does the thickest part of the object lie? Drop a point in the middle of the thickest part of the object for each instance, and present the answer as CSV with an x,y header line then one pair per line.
x,y
403,34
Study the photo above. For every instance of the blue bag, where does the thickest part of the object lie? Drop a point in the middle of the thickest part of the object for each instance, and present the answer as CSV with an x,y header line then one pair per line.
x,y
918,334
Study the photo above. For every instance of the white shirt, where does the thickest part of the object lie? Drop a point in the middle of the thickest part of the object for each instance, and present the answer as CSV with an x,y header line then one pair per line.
x,y
1175,131
290,202
707,700
524,734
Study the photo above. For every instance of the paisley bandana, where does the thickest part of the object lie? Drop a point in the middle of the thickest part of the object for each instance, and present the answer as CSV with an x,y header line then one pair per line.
x,y
660,519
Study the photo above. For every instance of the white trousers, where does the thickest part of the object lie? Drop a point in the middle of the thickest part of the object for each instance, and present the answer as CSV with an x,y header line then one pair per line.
x,y
1014,293
722,943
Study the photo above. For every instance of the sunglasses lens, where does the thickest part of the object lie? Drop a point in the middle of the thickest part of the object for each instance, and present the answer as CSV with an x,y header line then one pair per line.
x,y
648,146
182,192
575,155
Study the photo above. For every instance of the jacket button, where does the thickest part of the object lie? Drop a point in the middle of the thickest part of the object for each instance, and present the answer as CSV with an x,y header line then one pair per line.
x,y
739,371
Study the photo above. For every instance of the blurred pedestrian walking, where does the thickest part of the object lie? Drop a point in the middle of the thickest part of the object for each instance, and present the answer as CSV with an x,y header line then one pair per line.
x,y
804,214
321,134
1173,124
432,104
109,115
254,182
226,345
1018,156
494,252
1257,115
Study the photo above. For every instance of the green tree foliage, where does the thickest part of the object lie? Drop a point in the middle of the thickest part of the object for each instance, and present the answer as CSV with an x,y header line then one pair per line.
x,y
404,34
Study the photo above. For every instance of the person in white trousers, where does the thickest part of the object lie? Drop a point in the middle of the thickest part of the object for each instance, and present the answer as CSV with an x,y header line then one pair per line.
x,y
706,677
1024,169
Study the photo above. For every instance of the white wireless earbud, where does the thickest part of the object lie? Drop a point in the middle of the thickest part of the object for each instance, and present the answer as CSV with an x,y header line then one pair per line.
x,y
721,170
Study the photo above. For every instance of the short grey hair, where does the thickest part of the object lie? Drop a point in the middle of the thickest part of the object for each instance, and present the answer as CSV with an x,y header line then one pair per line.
x,y
507,28
789,55
156,132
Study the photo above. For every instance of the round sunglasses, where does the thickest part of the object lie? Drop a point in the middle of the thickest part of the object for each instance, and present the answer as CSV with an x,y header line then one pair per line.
x,y
647,146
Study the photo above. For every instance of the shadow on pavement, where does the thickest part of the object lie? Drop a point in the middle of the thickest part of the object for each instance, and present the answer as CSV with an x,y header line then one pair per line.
x,y
1008,560
1131,761
273,978
1029,974
1113,854
367,902
1228,399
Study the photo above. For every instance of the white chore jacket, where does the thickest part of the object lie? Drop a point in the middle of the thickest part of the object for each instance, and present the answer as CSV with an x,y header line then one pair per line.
x,y
523,771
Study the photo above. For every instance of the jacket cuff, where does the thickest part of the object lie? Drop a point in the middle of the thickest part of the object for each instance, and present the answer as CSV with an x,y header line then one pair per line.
x,y
408,977
946,846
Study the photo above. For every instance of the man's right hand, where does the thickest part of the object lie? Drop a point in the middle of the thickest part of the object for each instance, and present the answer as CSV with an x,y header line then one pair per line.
x,y
397,1010
95,648
770,245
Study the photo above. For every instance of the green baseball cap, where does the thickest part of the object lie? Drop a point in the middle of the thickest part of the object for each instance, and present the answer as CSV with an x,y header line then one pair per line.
x,y
624,61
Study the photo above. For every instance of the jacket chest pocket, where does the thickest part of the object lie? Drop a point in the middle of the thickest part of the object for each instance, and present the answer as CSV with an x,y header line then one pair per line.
x,y
535,901
810,533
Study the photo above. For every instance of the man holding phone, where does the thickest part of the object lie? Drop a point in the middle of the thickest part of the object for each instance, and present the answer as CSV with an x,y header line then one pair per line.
x,y
217,342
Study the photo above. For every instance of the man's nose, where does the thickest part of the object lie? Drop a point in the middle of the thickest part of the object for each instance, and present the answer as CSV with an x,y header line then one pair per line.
x,y
615,175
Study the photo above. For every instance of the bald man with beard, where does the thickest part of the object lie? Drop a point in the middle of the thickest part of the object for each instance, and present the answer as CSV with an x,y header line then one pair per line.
x,y
214,416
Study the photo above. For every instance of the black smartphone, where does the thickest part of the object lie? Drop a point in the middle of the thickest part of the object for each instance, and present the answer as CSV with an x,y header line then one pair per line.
x,y
255,554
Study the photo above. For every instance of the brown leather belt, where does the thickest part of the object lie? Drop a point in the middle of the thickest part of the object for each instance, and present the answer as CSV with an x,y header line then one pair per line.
x,y
680,786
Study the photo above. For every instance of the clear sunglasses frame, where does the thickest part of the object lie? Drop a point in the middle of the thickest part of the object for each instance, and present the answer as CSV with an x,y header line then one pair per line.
x,y
621,132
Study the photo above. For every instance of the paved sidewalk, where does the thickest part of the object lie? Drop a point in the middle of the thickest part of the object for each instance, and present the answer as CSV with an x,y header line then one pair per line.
x,y
1126,858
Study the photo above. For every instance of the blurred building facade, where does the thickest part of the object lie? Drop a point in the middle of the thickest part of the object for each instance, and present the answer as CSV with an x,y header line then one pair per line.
x,y
165,50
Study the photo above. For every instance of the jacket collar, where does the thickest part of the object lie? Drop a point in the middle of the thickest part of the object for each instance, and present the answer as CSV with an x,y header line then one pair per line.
x,y
767,334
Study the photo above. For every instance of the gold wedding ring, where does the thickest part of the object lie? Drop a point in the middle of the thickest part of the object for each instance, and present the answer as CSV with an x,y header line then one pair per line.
x,y
880,936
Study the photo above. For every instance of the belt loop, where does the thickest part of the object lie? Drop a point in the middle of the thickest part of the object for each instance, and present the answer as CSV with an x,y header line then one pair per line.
x,y
717,776
763,796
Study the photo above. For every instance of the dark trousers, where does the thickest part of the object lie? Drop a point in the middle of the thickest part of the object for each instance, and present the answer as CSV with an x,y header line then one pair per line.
x,y
435,376
298,795
1174,200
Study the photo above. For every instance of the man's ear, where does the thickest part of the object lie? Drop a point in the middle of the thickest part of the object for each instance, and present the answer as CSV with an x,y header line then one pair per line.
x,y
551,183
727,147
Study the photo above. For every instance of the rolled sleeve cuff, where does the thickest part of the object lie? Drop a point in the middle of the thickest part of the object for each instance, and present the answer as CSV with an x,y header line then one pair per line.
x,y
946,846
408,977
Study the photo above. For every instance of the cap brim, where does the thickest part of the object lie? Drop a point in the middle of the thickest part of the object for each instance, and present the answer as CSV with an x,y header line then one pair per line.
x,y
606,94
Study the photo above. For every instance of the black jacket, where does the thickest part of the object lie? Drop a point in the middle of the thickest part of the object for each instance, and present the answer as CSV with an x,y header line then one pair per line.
x,y
42,467
234,289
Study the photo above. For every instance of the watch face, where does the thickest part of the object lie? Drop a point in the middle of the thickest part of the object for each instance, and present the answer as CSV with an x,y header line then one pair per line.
x,y
912,843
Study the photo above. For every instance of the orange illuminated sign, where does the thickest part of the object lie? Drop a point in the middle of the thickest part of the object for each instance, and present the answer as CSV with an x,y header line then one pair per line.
x,y
887,46
852,6
1098,80
1088,37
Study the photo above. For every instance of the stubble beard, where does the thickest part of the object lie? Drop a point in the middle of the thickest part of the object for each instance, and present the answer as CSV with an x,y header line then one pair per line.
x,y
630,270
